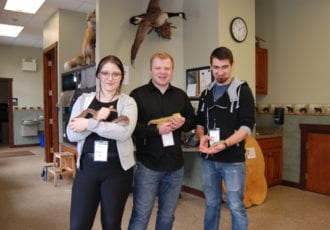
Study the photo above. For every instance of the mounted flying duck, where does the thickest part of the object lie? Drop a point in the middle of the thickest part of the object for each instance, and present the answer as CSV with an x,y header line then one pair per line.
x,y
153,19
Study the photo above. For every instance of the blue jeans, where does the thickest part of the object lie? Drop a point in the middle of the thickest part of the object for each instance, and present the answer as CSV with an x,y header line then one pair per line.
x,y
233,175
148,184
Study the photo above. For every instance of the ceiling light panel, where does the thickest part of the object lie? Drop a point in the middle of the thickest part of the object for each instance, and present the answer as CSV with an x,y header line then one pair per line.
x,y
9,30
26,6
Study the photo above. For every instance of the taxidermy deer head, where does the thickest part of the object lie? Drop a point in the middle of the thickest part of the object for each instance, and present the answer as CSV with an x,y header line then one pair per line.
x,y
153,19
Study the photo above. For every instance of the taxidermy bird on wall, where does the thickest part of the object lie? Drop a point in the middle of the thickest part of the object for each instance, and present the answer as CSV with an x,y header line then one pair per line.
x,y
153,19
87,55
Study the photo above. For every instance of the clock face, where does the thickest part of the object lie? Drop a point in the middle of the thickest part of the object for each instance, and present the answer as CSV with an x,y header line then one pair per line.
x,y
238,29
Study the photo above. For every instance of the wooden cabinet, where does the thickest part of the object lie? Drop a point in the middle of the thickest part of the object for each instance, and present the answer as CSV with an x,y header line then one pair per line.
x,y
261,70
315,158
272,149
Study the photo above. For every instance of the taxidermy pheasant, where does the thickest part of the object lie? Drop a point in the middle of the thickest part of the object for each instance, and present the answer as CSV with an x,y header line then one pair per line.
x,y
155,19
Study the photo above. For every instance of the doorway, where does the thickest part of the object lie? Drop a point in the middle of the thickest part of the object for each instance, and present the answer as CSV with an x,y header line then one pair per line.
x,y
315,158
6,112
50,102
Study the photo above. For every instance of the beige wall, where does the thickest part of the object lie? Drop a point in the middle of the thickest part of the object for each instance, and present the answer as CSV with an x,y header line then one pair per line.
x,y
27,86
67,28
117,36
208,27
200,32
244,52
293,32
72,26
51,30
296,34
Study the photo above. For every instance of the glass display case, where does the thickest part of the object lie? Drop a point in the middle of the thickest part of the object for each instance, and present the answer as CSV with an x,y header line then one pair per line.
x,y
74,83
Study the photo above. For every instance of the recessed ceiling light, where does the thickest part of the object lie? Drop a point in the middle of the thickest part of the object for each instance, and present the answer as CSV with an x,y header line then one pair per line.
x,y
26,6
9,30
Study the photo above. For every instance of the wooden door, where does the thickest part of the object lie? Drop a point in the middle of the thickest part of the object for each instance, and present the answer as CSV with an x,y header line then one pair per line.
x,y
315,158
50,102
8,91
318,163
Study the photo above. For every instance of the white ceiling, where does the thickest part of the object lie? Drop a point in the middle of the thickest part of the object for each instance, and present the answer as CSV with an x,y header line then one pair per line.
x,y
34,23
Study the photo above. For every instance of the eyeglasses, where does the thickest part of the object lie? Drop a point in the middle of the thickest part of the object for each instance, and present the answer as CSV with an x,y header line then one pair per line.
x,y
115,75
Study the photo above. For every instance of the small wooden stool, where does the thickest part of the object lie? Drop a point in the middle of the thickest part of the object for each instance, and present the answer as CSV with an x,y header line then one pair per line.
x,y
63,164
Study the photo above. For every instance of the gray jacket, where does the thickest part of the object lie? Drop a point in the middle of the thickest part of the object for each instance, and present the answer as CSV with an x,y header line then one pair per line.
x,y
122,134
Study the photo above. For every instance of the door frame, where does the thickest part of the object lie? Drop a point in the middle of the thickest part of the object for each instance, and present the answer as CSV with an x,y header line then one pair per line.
x,y
50,101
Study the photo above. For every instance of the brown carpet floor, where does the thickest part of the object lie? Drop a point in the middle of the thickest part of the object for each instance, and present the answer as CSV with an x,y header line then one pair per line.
x,y
29,203
16,154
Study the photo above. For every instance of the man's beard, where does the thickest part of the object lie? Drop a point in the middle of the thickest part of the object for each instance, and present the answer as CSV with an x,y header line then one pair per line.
x,y
221,80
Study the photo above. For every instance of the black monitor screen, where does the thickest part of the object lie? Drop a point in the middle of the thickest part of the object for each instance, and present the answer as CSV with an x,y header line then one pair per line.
x,y
69,81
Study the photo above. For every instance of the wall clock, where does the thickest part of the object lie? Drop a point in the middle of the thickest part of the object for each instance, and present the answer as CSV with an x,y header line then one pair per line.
x,y
238,29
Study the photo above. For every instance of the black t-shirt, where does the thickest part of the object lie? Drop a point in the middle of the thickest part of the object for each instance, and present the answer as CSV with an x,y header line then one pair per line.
x,y
89,142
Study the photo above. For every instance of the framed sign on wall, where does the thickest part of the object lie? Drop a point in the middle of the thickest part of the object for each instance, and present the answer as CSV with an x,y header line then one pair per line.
x,y
197,79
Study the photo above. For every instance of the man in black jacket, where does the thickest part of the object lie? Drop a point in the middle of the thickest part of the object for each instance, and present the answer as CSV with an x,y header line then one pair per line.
x,y
225,117
159,169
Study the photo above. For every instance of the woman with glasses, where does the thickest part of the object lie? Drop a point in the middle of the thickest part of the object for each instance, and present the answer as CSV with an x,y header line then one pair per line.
x,y
102,123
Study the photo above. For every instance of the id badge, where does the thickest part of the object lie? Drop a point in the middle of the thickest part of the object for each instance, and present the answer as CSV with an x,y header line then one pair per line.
x,y
100,151
215,135
168,139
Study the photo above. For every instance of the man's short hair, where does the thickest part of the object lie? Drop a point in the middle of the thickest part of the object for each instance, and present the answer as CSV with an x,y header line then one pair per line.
x,y
161,55
222,53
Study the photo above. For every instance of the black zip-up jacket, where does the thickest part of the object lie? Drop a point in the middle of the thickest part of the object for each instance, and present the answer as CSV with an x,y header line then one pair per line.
x,y
233,110
152,104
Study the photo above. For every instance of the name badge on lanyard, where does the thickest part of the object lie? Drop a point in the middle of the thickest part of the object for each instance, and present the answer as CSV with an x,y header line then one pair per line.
x,y
168,139
100,151
215,135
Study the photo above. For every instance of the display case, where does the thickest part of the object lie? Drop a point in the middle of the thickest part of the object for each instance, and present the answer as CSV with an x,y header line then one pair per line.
x,y
74,83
